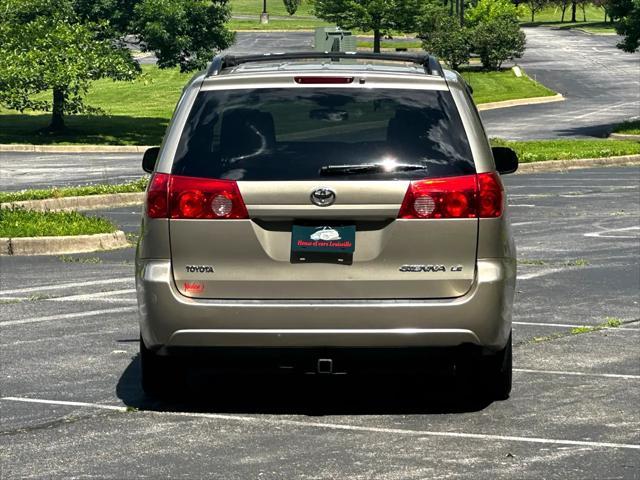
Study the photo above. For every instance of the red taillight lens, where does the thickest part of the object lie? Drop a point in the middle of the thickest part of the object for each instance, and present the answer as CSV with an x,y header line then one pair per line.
x,y
490,195
201,198
453,197
469,196
157,196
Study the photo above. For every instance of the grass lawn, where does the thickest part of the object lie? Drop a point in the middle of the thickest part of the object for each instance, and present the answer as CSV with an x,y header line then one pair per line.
x,y
503,85
274,7
27,223
551,16
387,44
139,111
137,186
293,23
541,150
631,127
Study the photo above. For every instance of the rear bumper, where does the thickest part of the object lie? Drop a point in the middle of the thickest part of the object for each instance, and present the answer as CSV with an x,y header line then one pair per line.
x,y
481,317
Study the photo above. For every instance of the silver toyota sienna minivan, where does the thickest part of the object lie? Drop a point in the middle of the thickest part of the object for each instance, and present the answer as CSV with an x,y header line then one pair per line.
x,y
324,213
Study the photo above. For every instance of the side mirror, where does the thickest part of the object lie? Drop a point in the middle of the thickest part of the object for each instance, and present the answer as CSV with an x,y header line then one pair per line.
x,y
149,159
506,160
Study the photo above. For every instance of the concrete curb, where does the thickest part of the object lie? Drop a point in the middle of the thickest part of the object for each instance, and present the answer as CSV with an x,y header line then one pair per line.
x,y
73,148
87,202
625,136
563,165
520,102
63,245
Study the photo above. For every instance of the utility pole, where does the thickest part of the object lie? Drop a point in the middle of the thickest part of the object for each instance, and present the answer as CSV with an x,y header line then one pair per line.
x,y
264,16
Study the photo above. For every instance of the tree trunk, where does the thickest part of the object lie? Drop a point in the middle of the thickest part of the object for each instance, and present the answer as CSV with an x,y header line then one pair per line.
x,y
376,41
462,13
57,117
533,15
573,11
564,9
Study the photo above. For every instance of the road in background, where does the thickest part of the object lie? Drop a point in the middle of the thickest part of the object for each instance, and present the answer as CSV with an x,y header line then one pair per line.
x,y
25,170
70,334
600,82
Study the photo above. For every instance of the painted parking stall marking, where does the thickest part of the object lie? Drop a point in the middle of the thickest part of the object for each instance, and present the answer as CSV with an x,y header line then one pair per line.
x,y
343,427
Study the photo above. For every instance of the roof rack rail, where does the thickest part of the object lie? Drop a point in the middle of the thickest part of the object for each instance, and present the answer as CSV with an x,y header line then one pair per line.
x,y
430,63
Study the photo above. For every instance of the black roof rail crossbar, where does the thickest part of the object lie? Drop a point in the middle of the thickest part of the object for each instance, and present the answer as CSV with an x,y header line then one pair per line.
x,y
430,63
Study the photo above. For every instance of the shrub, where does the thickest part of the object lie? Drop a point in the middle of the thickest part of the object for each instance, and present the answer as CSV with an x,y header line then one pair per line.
x,y
497,40
291,6
443,36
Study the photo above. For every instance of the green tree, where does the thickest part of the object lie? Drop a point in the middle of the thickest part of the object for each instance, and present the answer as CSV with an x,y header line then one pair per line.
x,y
379,16
442,35
627,14
183,32
45,47
291,6
61,46
485,10
497,40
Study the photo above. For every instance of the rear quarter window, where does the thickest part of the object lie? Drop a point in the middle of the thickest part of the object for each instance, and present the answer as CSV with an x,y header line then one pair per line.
x,y
291,134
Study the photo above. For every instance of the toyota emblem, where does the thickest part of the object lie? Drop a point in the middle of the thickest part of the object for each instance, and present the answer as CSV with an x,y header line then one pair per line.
x,y
323,197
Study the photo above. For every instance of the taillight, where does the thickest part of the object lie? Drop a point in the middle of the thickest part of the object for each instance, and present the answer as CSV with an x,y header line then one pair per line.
x,y
490,195
157,196
201,198
469,196
453,197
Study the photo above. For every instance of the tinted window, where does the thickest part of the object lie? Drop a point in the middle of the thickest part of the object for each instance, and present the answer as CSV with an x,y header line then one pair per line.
x,y
290,134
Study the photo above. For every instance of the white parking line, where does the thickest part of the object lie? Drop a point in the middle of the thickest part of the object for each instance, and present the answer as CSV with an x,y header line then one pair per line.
x,y
573,325
348,428
602,233
541,273
91,296
66,316
580,374
68,285
519,224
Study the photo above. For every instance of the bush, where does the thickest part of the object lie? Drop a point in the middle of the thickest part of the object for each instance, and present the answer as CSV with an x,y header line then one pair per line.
x,y
291,6
497,40
443,36
486,10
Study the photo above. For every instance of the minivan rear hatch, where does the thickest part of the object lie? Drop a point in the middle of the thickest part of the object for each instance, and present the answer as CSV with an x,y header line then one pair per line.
x,y
318,192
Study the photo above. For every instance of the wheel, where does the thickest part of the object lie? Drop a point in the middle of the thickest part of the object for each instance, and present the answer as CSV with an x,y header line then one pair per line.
x,y
490,375
159,375
497,373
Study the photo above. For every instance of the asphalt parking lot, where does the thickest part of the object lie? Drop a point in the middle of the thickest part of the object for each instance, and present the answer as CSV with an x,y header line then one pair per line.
x,y
72,406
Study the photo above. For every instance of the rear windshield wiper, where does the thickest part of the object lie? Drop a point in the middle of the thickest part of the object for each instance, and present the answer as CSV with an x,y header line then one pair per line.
x,y
328,170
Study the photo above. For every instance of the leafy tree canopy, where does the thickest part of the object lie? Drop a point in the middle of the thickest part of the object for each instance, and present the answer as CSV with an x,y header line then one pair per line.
x,y
379,16
183,32
44,46
627,12
61,46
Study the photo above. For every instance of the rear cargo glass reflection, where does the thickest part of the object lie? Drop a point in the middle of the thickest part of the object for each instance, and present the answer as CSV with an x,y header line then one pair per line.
x,y
278,134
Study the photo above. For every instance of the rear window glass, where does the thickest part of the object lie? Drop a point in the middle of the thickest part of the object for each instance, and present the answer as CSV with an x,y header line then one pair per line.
x,y
309,133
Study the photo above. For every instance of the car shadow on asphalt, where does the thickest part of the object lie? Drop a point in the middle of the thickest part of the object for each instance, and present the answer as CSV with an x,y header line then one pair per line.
x,y
312,395
596,132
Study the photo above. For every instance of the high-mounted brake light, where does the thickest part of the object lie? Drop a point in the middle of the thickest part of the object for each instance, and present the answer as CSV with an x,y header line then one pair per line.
x,y
171,196
330,80
469,196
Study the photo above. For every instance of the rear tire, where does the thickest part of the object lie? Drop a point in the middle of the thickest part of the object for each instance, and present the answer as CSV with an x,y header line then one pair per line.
x,y
159,376
498,373
489,375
